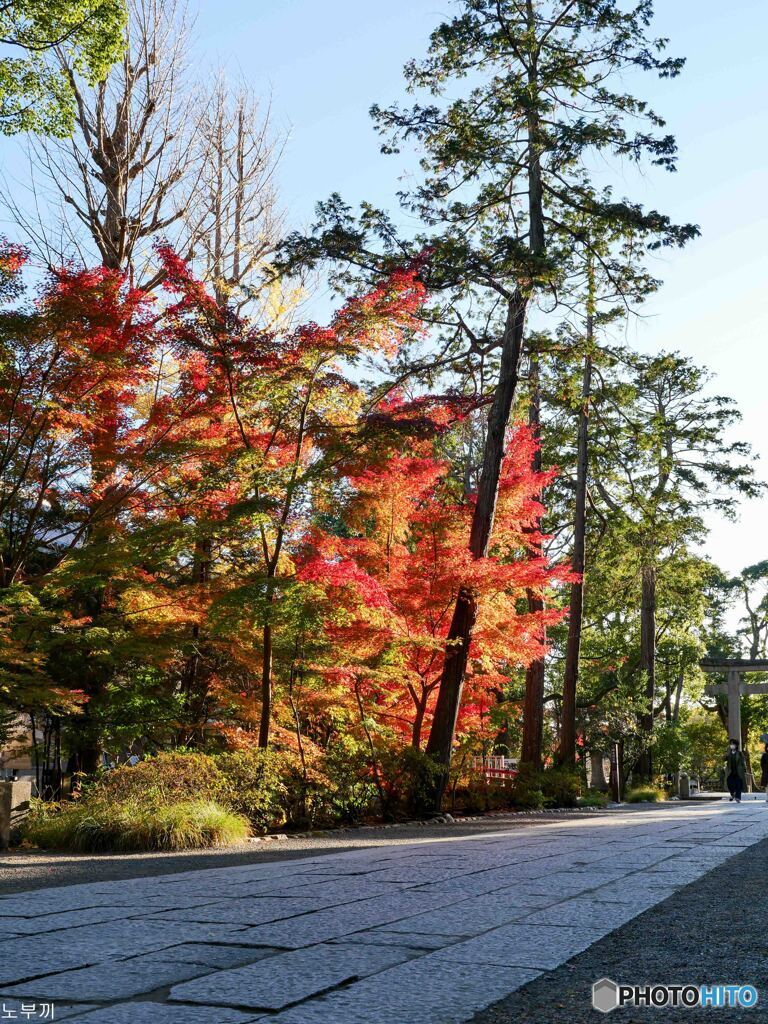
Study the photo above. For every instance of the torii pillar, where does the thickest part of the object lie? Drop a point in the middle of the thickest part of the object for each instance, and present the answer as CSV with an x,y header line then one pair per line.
x,y
734,688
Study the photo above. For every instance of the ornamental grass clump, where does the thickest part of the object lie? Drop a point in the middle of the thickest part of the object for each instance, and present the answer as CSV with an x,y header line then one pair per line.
x,y
645,794
95,825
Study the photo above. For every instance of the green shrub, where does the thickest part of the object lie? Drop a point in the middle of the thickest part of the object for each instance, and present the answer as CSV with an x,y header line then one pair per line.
x,y
593,798
645,794
95,825
351,795
251,782
560,787
527,793
480,795
408,778
165,777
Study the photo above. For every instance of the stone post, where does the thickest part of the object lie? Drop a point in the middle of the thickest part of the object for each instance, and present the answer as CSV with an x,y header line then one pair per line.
x,y
597,778
734,705
14,807
616,793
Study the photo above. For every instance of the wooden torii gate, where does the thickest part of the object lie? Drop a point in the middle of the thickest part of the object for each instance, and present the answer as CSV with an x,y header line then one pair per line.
x,y
734,688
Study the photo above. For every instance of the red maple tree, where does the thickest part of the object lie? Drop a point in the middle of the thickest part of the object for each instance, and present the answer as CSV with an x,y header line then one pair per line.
x,y
390,585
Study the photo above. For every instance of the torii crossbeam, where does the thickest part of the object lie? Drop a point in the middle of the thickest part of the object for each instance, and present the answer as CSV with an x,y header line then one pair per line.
x,y
734,688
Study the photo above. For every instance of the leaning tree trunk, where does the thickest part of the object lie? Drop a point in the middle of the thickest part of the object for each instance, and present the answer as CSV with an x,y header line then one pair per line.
x,y
533,705
567,752
648,664
465,612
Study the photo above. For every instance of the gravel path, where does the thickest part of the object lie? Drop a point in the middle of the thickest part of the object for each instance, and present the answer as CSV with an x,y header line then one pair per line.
x,y
715,930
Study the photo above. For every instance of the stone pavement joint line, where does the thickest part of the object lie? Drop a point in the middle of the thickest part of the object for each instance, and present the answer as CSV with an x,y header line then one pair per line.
x,y
430,931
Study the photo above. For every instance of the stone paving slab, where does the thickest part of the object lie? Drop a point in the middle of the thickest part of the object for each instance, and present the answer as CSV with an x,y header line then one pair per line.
x,y
410,940
337,921
108,981
616,892
174,901
597,914
561,885
333,891
53,901
424,991
33,955
289,977
524,945
157,1013
420,932
471,916
251,910
44,923
477,882
221,956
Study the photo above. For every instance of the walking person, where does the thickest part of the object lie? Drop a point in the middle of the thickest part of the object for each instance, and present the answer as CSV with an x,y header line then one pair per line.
x,y
736,771
764,771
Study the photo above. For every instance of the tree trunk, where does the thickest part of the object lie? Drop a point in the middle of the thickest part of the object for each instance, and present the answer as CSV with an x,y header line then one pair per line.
x,y
192,691
745,750
418,721
533,706
88,739
648,663
266,687
678,696
567,753
465,611
452,680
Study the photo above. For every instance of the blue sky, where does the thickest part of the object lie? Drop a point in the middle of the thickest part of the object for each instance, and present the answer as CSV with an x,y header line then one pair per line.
x,y
326,62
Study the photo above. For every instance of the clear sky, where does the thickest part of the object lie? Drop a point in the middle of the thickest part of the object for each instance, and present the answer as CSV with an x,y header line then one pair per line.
x,y
325,61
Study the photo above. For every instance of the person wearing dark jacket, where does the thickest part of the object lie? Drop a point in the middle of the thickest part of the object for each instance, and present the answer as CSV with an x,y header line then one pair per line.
x,y
736,771
764,771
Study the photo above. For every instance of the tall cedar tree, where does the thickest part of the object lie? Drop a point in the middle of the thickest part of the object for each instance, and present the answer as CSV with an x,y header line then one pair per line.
x,y
567,748
505,193
507,179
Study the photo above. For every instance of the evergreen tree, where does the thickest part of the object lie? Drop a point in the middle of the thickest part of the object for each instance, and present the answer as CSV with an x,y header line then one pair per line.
x,y
521,98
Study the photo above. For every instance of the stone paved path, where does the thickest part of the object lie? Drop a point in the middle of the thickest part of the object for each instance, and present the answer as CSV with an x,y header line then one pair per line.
x,y
428,932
